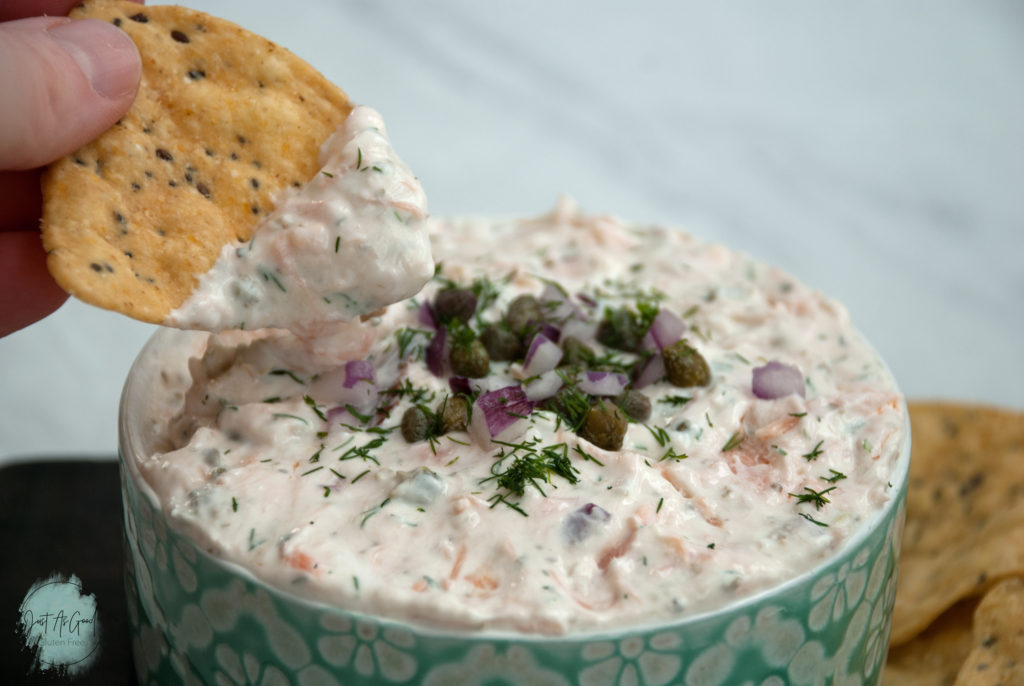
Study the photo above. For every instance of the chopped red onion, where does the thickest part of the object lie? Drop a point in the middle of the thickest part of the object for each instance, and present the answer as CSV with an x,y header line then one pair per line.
x,y
543,386
437,354
550,331
543,355
500,414
665,330
363,398
580,523
555,304
460,385
777,380
586,300
427,316
603,383
578,328
651,371
358,371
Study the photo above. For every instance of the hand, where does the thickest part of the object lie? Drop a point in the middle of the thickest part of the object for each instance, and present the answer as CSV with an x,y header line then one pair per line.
x,y
63,83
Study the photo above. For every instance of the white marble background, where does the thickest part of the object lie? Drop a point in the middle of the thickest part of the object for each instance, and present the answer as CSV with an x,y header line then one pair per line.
x,y
874,149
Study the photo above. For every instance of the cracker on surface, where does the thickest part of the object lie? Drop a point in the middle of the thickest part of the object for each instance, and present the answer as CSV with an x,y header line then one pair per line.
x,y
998,655
934,656
225,122
965,510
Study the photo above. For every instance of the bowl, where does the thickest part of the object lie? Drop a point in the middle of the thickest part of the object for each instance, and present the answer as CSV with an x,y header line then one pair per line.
x,y
198,619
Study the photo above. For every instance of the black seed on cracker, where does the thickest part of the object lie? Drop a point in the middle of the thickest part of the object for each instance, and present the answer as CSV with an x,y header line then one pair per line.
x,y
255,183
95,267
203,189
255,210
117,21
179,36
257,164
136,187
119,218
172,183
129,254
196,74
140,17
164,155
79,161
241,139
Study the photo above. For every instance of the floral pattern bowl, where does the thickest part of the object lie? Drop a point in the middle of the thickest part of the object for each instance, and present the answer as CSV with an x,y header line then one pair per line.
x,y
199,620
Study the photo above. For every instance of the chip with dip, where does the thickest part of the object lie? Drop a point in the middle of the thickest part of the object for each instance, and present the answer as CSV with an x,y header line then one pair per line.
x,y
230,133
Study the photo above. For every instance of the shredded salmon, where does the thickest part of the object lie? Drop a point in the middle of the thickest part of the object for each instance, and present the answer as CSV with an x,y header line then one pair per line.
x,y
460,557
702,506
618,549
770,432
300,560
483,581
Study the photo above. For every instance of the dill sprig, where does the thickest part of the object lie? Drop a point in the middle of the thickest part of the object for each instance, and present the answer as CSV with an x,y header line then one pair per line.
x,y
815,452
531,465
813,497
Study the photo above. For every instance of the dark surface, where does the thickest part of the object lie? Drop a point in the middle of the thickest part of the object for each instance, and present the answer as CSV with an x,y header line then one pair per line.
x,y
63,517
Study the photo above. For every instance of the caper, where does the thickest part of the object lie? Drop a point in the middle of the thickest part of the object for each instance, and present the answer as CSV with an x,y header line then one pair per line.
x,y
455,303
635,404
454,413
685,366
524,313
605,426
502,345
470,359
569,403
620,329
576,352
415,424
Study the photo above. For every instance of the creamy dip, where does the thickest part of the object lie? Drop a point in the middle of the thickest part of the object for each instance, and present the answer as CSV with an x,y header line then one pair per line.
x,y
287,456
350,241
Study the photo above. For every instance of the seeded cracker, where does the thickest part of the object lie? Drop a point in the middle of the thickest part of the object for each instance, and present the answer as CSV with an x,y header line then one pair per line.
x,y
998,655
936,655
965,510
223,123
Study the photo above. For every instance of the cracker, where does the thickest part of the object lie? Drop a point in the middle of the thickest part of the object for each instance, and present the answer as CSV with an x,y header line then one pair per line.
x,y
934,656
965,510
225,121
998,655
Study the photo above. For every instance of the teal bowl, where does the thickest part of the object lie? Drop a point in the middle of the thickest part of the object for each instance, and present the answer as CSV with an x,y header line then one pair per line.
x,y
197,619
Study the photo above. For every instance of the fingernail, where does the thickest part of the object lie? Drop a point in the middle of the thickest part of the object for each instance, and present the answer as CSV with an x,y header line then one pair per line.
x,y
104,53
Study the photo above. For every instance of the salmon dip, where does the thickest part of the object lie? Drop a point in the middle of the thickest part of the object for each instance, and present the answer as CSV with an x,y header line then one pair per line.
x,y
578,424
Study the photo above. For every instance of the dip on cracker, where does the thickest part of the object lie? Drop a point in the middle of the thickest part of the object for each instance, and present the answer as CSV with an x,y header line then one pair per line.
x,y
233,137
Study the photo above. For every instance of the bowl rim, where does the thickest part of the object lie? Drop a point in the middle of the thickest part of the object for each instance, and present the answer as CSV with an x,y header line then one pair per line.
x,y
870,527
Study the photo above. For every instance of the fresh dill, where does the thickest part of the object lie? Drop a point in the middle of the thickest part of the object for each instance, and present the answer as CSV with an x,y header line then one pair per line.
x,y
815,452
813,497
733,442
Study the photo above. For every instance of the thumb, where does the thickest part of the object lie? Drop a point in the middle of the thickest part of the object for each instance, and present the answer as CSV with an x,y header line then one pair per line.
x,y
64,82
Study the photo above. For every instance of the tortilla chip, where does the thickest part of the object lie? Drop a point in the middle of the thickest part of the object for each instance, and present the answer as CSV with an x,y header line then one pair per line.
x,y
934,656
965,510
224,122
998,655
